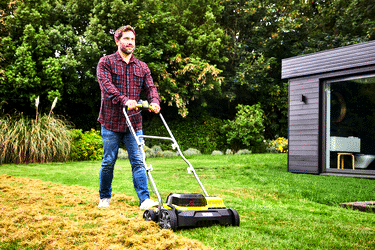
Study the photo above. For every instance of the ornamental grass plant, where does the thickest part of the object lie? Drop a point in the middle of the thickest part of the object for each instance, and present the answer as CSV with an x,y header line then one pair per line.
x,y
43,139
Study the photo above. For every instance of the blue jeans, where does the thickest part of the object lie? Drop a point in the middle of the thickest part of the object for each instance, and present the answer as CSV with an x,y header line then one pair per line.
x,y
111,142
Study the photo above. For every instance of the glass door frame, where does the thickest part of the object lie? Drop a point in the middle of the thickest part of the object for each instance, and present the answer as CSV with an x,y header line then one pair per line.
x,y
326,128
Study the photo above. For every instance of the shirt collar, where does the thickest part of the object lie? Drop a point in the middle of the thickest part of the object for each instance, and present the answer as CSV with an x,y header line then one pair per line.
x,y
119,58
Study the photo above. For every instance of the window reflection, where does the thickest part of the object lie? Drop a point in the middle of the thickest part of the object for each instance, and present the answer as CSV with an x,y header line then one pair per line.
x,y
351,124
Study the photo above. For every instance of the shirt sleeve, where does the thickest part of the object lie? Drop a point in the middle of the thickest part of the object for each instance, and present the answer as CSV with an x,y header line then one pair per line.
x,y
107,87
150,88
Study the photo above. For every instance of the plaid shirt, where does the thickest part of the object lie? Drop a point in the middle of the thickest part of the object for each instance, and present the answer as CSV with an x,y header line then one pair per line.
x,y
120,82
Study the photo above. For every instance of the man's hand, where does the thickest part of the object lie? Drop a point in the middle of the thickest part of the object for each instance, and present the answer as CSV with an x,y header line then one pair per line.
x,y
131,104
154,108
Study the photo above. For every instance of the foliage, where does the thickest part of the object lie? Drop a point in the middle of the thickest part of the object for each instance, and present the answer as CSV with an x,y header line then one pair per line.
x,y
212,53
61,43
86,145
202,133
183,43
169,153
122,154
243,152
192,151
247,129
216,152
155,151
265,32
228,152
25,140
43,139
279,145
253,75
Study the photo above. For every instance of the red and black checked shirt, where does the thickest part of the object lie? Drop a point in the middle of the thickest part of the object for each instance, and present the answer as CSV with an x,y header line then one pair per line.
x,y
120,82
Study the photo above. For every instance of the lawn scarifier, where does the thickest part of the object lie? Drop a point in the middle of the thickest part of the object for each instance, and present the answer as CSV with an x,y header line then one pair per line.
x,y
182,210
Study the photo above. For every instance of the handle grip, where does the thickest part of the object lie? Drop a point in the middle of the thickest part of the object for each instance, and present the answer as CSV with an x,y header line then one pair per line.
x,y
143,105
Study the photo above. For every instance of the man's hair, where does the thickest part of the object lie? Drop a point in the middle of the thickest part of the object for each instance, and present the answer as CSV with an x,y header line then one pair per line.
x,y
122,29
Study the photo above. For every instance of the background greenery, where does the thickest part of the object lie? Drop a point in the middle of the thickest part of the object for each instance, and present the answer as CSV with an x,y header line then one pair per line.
x,y
48,138
86,145
203,54
278,210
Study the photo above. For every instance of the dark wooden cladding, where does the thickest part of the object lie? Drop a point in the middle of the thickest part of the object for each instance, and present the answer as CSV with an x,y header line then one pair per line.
x,y
305,74
313,106
304,123
296,100
303,117
303,164
304,126
313,127
357,55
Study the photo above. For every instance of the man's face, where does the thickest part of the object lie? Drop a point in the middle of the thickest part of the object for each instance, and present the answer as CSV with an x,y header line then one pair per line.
x,y
127,42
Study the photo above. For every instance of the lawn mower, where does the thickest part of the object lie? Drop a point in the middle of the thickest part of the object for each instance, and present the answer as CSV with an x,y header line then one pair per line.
x,y
182,210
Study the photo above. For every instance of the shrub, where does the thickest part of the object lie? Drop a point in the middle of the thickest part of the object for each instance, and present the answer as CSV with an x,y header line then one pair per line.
x,y
169,153
247,129
198,131
228,152
156,151
217,152
243,152
192,151
279,145
86,146
122,154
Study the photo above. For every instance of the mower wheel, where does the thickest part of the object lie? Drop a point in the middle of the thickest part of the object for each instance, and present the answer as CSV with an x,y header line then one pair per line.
x,y
168,219
236,217
150,215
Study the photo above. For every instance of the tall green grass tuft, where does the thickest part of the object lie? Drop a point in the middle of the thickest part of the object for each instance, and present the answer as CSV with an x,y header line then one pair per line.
x,y
43,139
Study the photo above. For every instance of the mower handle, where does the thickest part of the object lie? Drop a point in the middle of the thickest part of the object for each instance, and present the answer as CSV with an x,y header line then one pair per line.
x,y
141,104
144,105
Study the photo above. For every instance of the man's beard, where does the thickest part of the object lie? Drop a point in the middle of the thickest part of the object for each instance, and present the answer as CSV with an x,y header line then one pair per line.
x,y
125,50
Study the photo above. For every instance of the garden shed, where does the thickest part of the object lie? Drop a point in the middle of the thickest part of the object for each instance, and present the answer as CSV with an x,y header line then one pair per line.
x,y
332,111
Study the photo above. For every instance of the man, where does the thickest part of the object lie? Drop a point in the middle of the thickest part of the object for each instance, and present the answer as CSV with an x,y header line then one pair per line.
x,y
121,78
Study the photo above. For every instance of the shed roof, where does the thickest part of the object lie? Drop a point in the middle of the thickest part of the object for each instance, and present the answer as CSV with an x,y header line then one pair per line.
x,y
347,57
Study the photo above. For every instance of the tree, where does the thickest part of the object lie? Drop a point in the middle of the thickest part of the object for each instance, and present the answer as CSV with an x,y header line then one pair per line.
x,y
184,44
265,32
57,51
210,53
39,56
253,72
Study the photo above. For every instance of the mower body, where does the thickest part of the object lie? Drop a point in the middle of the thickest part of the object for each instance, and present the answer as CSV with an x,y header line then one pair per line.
x,y
184,210
196,210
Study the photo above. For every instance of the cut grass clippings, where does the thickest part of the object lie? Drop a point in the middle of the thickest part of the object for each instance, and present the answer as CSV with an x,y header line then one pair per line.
x,y
46,215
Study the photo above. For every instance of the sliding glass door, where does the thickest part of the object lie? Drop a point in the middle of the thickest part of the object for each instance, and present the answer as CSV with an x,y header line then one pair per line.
x,y
350,124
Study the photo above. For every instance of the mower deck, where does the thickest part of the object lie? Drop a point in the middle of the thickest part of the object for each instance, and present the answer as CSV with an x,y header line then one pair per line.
x,y
193,210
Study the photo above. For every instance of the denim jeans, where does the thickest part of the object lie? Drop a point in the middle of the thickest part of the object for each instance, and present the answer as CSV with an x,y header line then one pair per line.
x,y
111,142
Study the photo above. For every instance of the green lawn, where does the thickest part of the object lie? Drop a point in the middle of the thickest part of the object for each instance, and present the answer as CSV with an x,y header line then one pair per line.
x,y
278,210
